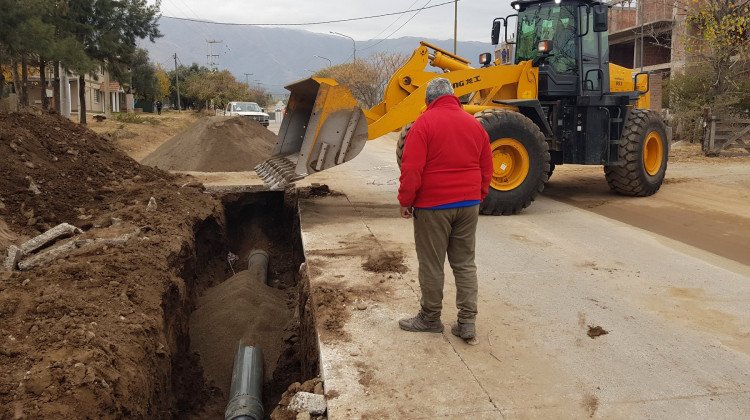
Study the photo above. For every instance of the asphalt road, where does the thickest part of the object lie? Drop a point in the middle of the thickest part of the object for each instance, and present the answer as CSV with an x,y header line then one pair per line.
x,y
677,314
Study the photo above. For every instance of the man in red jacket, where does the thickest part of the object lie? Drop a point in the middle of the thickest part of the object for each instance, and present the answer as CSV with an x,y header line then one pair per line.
x,y
446,169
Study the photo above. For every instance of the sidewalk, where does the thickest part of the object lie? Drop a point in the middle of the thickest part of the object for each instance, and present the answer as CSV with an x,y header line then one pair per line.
x,y
676,347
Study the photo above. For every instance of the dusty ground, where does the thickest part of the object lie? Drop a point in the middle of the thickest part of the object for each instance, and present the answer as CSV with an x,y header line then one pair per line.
x,y
706,204
144,133
102,333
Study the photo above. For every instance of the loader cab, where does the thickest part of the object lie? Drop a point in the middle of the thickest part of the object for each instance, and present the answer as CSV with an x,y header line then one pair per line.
x,y
577,60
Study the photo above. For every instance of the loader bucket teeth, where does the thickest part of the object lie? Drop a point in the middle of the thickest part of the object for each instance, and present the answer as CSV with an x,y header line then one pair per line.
x,y
277,172
323,127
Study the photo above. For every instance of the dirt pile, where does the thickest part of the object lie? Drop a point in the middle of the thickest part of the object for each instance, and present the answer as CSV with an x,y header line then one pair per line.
x,y
215,144
98,333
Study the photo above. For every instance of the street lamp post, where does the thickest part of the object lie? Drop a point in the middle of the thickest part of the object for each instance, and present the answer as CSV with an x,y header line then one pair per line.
x,y
329,61
354,60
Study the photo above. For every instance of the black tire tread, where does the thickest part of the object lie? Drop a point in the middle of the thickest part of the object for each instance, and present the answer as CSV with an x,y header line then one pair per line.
x,y
501,202
630,177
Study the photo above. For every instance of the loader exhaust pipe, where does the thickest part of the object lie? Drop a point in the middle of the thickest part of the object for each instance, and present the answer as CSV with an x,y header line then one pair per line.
x,y
324,126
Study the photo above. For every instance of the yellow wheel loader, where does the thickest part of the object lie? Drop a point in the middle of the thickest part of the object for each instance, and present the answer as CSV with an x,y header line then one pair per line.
x,y
560,102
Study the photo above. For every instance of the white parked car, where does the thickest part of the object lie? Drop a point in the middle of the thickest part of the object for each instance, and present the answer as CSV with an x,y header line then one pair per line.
x,y
247,109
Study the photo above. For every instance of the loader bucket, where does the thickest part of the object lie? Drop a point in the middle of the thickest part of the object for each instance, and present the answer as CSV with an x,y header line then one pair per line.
x,y
323,127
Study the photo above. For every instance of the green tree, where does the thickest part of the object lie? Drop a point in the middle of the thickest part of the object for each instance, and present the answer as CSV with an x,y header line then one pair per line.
x,y
216,88
24,36
180,76
108,30
145,84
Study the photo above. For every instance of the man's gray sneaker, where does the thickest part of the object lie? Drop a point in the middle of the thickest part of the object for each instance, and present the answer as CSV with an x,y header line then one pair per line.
x,y
466,331
419,324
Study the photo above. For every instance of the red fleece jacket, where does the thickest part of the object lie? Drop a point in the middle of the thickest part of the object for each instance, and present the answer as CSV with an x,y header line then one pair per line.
x,y
446,157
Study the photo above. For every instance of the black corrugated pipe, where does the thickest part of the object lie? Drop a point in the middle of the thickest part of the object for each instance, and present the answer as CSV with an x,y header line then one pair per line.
x,y
257,264
245,396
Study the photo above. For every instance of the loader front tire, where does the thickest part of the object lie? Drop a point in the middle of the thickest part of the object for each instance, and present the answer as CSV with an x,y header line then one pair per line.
x,y
643,155
401,142
521,160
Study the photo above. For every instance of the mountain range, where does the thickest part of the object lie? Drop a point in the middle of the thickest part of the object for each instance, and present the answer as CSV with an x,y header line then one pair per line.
x,y
273,57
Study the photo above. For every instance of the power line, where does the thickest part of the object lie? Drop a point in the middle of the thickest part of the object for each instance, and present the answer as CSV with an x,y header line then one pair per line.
x,y
404,24
311,23
392,23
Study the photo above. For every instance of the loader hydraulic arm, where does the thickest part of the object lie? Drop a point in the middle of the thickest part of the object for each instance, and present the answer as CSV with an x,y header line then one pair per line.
x,y
324,125
403,99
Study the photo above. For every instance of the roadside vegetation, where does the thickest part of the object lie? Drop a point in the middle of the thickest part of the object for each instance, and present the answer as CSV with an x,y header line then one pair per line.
x,y
717,78
80,37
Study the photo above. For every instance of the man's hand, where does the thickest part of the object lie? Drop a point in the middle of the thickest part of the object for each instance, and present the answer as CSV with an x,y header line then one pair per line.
x,y
406,212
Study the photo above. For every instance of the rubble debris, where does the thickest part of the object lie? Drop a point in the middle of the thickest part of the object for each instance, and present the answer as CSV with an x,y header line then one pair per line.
x,y
33,187
308,402
46,257
151,204
12,256
52,254
60,231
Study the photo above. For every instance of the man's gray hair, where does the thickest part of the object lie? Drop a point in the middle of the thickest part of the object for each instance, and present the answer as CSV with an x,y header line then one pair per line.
x,y
436,88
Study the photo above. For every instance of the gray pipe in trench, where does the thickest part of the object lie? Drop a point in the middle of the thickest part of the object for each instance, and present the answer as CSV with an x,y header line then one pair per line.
x,y
245,395
247,384
257,264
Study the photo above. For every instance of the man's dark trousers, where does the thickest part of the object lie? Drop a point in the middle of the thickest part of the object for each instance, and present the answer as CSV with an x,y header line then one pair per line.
x,y
451,231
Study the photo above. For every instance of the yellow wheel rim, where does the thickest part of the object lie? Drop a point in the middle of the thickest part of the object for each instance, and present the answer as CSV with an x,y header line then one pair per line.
x,y
653,152
511,164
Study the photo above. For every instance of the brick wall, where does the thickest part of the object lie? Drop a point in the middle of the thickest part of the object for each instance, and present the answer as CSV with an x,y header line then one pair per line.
x,y
655,54
621,17
655,10
622,55
655,90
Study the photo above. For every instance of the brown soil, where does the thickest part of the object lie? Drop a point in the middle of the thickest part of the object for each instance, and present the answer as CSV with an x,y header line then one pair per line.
x,y
215,144
103,331
384,262
96,334
331,312
596,331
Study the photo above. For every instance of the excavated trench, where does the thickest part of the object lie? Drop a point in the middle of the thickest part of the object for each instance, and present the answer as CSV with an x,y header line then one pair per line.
x,y
222,304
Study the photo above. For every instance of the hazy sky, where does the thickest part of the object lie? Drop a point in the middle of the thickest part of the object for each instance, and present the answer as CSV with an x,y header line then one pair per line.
x,y
474,16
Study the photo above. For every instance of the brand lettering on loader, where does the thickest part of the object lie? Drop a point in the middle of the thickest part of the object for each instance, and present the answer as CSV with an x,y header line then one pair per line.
x,y
468,81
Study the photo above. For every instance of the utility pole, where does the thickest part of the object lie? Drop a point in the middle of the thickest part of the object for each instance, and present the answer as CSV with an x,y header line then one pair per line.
x,y
210,56
177,83
455,27
247,81
354,45
641,6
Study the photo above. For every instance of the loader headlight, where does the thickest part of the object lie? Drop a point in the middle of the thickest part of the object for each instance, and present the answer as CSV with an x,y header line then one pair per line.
x,y
485,59
544,47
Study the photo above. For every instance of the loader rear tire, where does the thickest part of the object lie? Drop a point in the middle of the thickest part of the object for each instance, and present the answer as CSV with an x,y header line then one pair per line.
x,y
401,142
521,160
643,155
